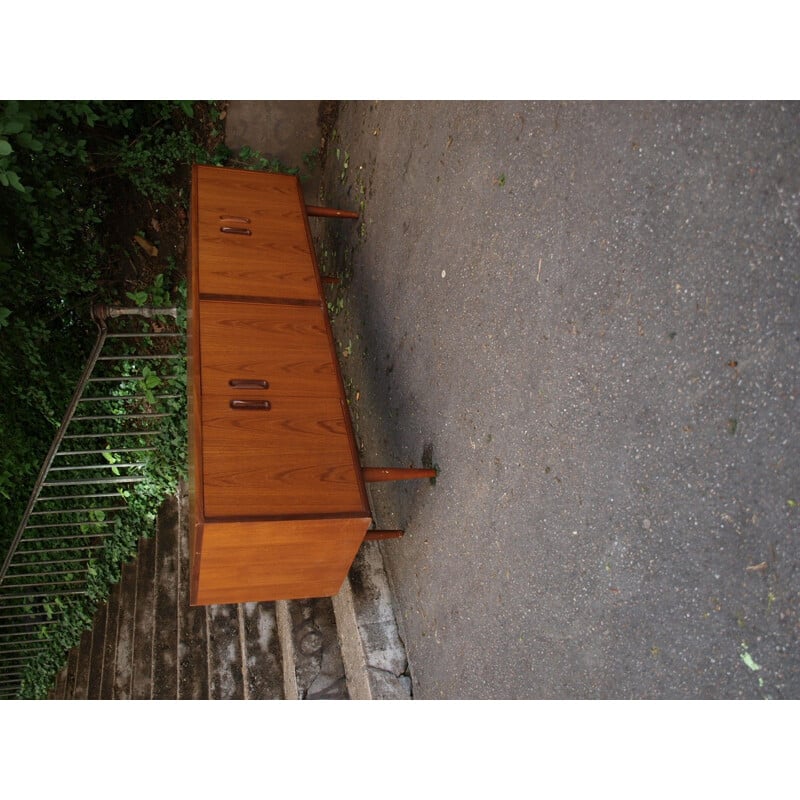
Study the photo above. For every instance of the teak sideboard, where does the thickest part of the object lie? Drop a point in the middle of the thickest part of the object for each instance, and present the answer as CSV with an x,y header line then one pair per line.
x,y
278,503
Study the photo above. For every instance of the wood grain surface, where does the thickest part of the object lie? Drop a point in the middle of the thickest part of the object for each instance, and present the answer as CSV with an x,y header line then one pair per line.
x,y
278,503
287,559
275,258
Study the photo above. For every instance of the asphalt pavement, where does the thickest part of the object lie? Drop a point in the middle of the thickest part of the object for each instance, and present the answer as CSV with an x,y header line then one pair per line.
x,y
588,316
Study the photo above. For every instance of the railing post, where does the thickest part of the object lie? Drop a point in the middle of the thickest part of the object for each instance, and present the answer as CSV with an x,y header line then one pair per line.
x,y
101,312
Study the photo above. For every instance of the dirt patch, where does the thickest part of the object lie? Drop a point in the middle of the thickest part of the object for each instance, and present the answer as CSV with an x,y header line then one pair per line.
x,y
326,119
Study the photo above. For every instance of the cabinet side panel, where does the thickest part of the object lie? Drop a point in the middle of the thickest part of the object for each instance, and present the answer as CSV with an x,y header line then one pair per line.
x,y
282,560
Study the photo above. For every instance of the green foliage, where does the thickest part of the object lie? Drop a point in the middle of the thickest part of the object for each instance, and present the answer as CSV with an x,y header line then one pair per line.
x,y
163,469
150,158
62,164
156,296
248,158
311,159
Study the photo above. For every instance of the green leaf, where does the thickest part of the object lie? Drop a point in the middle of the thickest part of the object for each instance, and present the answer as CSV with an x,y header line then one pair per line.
x,y
13,179
26,140
187,106
748,659
5,147
140,298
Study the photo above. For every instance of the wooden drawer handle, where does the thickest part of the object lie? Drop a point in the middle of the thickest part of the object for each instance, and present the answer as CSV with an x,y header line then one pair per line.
x,y
245,220
244,383
250,405
239,231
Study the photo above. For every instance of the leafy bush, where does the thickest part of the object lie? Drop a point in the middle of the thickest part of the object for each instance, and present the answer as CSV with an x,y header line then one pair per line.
x,y
62,165
164,466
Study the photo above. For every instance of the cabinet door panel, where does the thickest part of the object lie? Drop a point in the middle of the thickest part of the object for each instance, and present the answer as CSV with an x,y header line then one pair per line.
x,y
286,346
252,235
294,458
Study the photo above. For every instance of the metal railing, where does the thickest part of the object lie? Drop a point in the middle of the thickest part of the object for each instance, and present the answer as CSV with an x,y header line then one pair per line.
x,y
97,457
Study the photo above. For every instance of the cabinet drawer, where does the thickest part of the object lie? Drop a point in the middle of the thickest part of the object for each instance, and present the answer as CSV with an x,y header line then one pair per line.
x,y
287,347
293,458
252,237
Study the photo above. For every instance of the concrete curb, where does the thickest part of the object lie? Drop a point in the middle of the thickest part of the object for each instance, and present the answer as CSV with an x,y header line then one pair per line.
x,y
353,656
373,653
286,638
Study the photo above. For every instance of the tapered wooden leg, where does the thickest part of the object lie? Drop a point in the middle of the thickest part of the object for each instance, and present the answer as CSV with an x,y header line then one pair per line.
x,y
324,211
374,536
375,474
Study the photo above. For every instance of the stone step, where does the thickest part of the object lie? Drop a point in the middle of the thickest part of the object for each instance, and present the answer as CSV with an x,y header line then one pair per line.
x,y
148,643
144,613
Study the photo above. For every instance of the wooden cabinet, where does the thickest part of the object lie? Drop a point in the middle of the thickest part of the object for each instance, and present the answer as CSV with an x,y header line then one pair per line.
x,y
278,504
